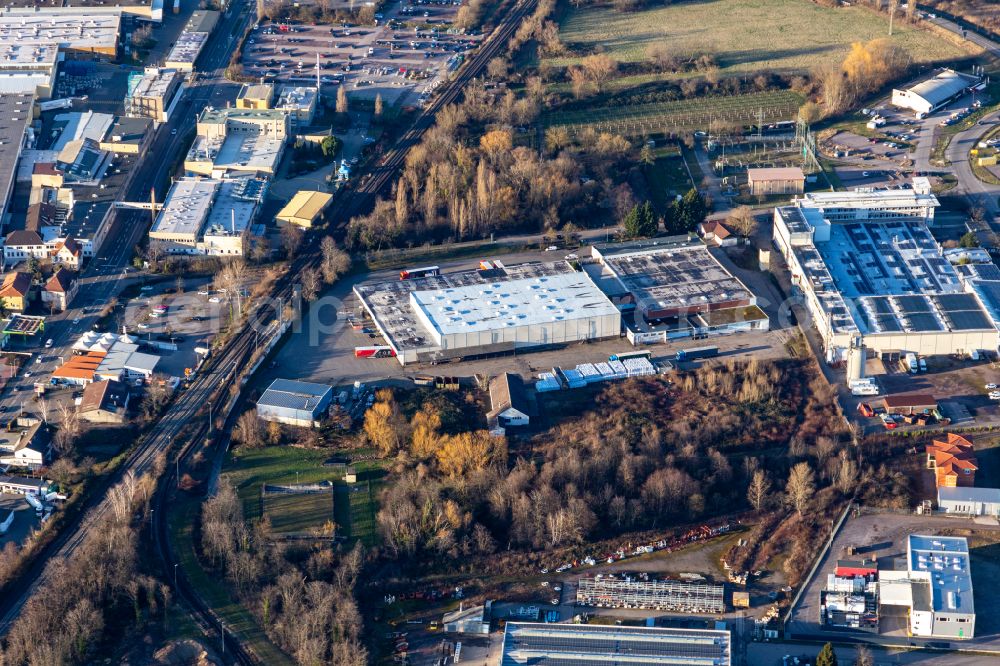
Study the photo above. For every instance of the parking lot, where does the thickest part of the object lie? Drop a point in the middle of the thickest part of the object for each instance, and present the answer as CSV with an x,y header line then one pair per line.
x,y
403,58
959,385
190,320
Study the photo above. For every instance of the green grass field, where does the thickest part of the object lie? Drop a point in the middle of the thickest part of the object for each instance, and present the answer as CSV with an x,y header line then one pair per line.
x,y
667,177
352,508
298,513
743,35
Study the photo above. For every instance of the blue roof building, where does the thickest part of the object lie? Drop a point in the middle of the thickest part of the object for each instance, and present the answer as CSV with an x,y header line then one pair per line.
x,y
294,403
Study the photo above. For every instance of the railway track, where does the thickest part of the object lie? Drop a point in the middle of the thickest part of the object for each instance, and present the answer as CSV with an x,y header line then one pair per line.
x,y
225,365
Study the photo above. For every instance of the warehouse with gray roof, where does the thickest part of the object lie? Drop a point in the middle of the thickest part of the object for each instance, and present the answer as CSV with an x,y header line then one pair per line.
x,y
576,644
294,403
933,93
488,311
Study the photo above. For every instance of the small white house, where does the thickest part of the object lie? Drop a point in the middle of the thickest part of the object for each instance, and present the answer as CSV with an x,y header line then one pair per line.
x,y
509,403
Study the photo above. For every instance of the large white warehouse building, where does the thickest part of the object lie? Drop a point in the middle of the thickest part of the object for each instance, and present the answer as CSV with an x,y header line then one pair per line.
x,y
478,312
868,268
933,93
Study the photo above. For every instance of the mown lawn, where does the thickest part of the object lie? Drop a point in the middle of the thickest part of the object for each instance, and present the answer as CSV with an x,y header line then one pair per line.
x,y
249,469
353,507
298,513
743,35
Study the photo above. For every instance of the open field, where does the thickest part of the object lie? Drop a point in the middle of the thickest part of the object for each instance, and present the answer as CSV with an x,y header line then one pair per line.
x,y
667,177
680,116
294,513
743,35
352,507
248,470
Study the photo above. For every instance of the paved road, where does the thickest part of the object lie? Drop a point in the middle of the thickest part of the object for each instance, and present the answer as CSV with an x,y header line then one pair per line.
x,y
771,654
979,193
104,276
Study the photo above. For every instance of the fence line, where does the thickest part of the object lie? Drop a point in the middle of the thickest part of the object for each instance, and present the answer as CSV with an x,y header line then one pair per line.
x,y
812,571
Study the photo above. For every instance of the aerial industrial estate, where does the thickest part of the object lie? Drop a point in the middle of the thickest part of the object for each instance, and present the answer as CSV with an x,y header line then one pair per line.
x,y
548,333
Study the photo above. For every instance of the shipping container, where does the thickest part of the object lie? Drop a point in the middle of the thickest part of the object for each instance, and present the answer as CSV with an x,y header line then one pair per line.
x,y
696,353
646,354
412,273
374,352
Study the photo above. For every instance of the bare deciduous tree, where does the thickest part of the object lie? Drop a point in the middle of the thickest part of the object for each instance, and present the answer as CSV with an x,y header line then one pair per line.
x,y
291,239
742,221
599,68
847,474
342,106
310,284
801,486
335,262
249,430
758,489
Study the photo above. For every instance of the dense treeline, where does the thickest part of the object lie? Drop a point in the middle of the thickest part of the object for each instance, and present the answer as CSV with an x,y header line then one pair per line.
x,y
469,178
95,595
303,597
646,455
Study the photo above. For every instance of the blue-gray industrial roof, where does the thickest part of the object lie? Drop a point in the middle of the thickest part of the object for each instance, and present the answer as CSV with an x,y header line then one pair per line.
x,y
582,645
986,495
291,394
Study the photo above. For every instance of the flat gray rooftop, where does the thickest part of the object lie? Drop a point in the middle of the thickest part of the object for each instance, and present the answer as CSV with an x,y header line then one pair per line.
x,y
582,645
897,279
676,278
871,259
15,115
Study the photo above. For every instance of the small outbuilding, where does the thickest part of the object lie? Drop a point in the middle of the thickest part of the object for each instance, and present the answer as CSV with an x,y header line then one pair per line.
x,y
508,401
474,620
294,403
776,180
716,233
305,208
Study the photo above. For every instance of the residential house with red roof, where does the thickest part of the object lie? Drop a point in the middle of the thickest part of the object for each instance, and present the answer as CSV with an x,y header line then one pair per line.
x,y
60,289
67,252
953,461
15,291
